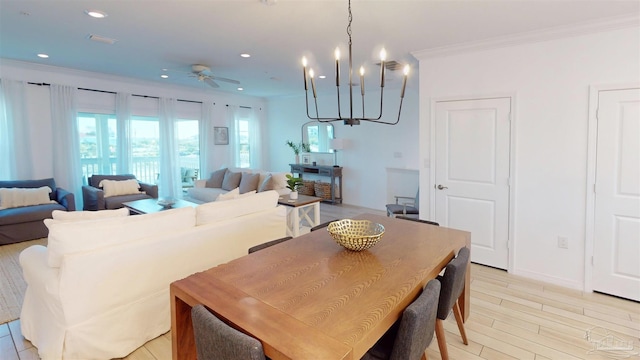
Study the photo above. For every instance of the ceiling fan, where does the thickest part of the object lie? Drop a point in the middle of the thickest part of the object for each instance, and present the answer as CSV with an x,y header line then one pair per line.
x,y
203,73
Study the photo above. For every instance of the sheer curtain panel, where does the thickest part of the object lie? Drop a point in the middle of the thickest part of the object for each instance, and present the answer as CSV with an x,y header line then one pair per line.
x,y
205,134
123,119
67,169
15,149
234,141
170,185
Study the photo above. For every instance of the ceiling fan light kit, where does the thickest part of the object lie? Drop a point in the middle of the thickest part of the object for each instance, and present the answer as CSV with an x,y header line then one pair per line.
x,y
351,120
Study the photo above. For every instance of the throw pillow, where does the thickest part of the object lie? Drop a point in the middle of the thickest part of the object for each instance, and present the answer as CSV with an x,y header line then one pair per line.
x,y
267,184
230,195
18,197
119,187
231,180
249,182
88,215
248,193
216,179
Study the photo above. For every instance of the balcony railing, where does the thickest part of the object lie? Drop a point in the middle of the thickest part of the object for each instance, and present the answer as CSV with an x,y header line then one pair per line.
x,y
146,169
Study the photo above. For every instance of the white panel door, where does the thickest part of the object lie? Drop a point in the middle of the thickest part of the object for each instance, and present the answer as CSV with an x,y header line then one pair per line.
x,y
617,200
472,152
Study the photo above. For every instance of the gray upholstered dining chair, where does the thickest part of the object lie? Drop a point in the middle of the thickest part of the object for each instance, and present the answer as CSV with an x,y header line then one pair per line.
x,y
323,225
268,243
405,206
217,340
452,285
409,337
417,220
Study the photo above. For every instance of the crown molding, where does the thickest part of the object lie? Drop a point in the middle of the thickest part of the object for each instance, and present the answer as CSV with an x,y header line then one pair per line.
x,y
612,23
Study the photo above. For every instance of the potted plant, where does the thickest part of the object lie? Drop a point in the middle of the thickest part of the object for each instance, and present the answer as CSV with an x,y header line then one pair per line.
x,y
293,184
297,148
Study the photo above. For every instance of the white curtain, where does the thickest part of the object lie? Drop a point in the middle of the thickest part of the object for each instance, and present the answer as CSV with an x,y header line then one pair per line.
x,y
67,169
234,147
123,119
15,149
205,134
255,136
169,183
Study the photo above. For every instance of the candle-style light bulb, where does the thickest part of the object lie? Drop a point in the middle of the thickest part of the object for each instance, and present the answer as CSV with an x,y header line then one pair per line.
x,y
304,71
383,57
313,82
337,54
362,80
404,80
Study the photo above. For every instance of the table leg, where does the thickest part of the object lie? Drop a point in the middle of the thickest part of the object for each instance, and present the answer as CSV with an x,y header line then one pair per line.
x,y
182,339
295,222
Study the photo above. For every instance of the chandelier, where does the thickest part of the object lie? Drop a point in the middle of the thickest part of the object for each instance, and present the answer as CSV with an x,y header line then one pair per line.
x,y
350,119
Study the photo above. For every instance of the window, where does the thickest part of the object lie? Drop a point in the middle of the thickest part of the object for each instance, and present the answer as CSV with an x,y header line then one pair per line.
x,y
244,158
145,148
188,148
98,140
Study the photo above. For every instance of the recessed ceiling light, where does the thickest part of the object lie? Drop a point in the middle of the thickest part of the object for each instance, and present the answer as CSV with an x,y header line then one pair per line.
x,y
164,76
322,77
245,55
240,89
44,56
96,14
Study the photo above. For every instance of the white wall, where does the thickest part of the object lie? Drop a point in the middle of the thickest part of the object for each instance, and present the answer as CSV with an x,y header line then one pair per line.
x,y
39,109
371,147
550,80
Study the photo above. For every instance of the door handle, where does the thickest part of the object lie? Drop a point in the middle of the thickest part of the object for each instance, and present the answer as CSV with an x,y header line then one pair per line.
x,y
440,187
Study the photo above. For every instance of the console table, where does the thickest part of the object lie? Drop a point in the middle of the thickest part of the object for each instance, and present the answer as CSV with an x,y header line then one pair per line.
x,y
333,172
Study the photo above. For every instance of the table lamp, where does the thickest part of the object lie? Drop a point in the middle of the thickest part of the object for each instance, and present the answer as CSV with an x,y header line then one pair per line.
x,y
335,145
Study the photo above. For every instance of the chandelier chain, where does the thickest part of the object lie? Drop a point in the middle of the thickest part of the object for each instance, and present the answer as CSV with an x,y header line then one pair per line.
x,y
350,20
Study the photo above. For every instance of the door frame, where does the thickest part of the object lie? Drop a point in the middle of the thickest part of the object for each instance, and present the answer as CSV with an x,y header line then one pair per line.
x,y
512,174
592,150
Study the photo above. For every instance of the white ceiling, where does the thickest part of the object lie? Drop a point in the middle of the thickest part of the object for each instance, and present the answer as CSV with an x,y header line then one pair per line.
x,y
154,34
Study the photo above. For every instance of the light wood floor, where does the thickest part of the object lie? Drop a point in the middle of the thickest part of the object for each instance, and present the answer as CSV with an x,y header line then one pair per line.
x,y
511,318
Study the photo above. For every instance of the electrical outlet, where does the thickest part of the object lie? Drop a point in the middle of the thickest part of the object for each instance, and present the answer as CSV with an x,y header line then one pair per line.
x,y
563,242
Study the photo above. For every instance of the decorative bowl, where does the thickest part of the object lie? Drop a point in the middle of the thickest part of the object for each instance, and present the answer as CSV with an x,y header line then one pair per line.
x,y
356,235
166,202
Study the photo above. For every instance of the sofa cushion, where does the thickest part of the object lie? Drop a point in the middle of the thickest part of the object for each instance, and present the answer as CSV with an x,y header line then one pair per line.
x,y
267,184
27,214
31,184
119,187
249,182
88,215
231,180
216,179
67,237
222,210
229,195
18,197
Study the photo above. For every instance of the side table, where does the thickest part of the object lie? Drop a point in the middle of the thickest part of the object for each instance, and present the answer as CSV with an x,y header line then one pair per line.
x,y
300,209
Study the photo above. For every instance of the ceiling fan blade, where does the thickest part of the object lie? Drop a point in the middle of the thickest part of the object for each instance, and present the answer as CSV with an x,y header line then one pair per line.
x,y
226,80
210,82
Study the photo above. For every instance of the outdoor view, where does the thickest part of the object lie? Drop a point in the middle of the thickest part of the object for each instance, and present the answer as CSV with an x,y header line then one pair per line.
x,y
98,142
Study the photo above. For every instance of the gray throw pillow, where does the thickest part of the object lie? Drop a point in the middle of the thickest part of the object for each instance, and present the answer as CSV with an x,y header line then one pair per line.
x,y
267,184
231,180
216,179
249,182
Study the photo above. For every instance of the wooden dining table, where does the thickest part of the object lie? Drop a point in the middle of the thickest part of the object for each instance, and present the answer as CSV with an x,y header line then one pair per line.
x,y
310,298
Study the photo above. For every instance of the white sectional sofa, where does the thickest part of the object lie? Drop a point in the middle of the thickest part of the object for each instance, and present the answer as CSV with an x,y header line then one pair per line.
x,y
100,289
220,182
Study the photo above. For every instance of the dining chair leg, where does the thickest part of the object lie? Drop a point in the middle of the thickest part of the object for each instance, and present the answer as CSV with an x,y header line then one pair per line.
x,y
442,342
458,315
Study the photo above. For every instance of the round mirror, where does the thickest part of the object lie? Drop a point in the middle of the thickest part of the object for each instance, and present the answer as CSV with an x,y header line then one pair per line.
x,y
317,135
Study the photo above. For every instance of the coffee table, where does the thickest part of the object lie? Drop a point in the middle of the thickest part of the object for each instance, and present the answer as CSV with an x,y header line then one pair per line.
x,y
150,206
300,209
